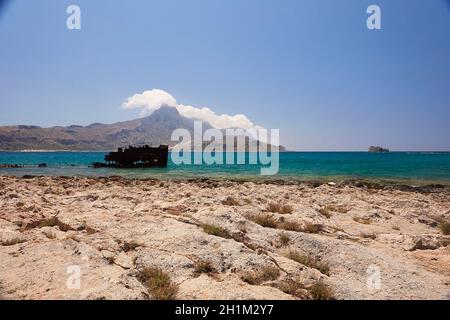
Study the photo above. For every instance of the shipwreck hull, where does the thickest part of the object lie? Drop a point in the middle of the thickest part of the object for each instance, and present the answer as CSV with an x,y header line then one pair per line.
x,y
136,157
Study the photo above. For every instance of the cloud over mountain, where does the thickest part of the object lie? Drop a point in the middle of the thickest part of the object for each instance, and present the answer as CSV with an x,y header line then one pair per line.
x,y
151,100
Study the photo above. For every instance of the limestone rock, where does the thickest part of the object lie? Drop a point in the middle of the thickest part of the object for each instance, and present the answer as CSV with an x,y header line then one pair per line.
x,y
111,230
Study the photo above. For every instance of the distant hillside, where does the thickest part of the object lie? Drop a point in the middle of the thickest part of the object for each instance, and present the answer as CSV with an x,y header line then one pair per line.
x,y
154,130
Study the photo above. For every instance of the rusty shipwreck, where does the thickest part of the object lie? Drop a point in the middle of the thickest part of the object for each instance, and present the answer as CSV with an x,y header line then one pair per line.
x,y
136,157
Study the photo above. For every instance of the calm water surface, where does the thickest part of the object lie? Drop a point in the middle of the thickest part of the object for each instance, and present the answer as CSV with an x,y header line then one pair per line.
x,y
421,166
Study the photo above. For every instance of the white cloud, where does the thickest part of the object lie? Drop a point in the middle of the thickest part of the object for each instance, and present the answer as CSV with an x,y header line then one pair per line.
x,y
152,100
221,121
149,101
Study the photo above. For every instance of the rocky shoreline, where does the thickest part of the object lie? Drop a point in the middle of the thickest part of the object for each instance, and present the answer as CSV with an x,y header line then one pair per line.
x,y
221,239
421,186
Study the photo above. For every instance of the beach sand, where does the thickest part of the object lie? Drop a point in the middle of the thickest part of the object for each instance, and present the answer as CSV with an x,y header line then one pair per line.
x,y
219,240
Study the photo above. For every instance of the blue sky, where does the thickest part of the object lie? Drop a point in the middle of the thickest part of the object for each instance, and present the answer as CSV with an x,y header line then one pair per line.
x,y
308,67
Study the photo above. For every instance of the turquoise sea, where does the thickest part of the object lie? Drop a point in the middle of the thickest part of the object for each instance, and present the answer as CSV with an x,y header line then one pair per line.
x,y
412,166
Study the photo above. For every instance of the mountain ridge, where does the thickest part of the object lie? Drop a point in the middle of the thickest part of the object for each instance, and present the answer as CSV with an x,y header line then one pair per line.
x,y
154,129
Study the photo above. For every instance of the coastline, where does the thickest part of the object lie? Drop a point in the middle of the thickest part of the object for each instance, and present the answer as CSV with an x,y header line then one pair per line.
x,y
281,151
54,151
401,184
260,240
402,168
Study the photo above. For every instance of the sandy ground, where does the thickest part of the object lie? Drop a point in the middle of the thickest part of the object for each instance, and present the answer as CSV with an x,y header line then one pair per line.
x,y
86,238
